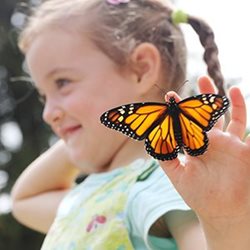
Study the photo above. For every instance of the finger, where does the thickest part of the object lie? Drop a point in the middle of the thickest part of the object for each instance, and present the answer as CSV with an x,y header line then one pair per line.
x,y
237,125
172,169
172,94
206,86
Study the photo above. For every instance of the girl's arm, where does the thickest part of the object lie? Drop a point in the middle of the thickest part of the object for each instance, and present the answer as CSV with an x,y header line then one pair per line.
x,y
40,188
216,185
186,229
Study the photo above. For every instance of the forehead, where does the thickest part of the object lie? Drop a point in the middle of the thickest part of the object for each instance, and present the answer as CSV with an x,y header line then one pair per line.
x,y
59,47
56,39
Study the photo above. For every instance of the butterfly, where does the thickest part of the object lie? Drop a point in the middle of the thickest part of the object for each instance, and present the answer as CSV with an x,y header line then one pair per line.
x,y
169,127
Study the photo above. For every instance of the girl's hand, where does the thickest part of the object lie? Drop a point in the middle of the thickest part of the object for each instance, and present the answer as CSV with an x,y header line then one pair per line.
x,y
217,184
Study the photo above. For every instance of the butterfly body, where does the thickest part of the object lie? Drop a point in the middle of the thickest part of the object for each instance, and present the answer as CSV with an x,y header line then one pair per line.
x,y
169,127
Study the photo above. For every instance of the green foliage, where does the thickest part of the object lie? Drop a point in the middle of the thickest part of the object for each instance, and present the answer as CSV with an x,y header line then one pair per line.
x,y
27,114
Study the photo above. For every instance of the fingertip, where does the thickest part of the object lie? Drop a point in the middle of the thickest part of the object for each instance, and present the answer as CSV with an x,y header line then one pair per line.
x,y
206,85
204,78
170,94
237,97
235,93
237,125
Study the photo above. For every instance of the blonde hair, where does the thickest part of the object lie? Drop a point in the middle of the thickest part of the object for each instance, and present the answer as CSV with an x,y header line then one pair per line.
x,y
118,29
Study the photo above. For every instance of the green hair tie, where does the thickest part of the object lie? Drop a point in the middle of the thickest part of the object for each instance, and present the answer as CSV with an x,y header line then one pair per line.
x,y
179,16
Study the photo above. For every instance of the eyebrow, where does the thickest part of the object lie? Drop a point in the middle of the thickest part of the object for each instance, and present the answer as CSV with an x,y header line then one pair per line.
x,y
58,70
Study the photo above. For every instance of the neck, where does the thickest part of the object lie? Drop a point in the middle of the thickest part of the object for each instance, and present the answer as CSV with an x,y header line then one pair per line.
x,y
129,151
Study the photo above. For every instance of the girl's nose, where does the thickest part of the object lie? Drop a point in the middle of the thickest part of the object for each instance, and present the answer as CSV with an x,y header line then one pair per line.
x,y
52,113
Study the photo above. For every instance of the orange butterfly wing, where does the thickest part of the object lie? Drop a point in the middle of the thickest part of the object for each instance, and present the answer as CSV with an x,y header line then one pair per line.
x,y
193,138
161,142
135,120
145,120
197,115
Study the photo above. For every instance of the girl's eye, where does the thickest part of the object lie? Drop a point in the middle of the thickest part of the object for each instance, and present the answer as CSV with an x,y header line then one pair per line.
x,y
61,82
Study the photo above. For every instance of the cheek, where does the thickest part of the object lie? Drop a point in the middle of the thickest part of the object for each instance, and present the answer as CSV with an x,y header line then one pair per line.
x,y
87,110
113,93
97,148
79,106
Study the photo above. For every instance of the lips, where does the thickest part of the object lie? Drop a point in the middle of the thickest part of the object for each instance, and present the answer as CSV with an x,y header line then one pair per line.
x,y
67,131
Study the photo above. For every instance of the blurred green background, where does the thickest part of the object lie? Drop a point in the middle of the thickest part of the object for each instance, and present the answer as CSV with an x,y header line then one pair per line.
x,y
23,135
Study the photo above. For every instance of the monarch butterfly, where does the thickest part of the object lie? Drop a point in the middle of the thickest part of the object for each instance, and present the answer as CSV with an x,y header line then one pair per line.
x,y
169,127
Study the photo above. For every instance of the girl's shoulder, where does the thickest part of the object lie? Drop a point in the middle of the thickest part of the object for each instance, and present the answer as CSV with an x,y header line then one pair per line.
x,y
149,199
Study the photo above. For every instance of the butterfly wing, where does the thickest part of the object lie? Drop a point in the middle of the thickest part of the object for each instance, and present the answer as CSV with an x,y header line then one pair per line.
x,y
193,137
161,142
197,115
135,120
204,109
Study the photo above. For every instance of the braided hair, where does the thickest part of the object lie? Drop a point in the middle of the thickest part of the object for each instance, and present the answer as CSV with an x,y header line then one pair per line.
x,y
117,29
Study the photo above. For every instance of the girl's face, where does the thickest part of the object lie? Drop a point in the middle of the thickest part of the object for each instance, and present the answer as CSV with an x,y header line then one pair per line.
x,y
79,83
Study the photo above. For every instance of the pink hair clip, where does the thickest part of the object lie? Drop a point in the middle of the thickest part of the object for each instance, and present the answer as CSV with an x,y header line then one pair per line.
x,y
116,2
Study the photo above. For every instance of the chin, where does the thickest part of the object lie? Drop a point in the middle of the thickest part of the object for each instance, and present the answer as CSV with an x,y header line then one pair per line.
x,y
82,160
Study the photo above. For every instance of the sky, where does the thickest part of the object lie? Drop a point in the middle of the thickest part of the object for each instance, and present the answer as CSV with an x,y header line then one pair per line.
x,y
230,23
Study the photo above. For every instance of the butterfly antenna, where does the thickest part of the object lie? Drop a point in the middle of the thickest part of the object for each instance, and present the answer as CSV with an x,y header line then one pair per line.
x,y
186,81
177,90
162,90
181,86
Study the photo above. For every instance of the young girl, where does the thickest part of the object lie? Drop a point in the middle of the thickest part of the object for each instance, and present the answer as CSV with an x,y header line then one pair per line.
x,y
86,57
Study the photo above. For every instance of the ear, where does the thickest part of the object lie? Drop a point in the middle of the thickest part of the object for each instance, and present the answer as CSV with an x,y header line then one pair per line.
x,y
146,63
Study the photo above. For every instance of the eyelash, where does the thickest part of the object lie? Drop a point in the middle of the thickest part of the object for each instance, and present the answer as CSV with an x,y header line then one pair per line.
x,y
61,82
